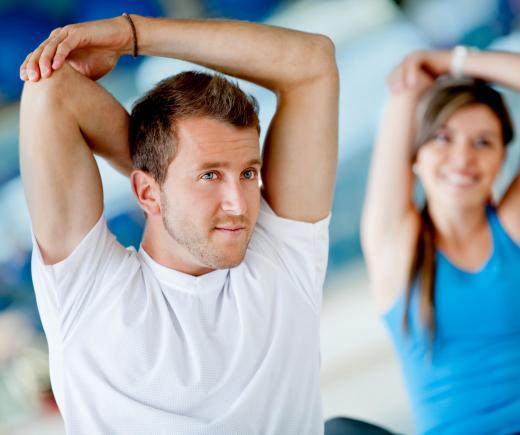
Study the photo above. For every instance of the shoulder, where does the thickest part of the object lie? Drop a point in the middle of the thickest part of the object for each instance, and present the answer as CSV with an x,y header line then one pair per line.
x,y
290,251
508,210
98,251
278,233
504,226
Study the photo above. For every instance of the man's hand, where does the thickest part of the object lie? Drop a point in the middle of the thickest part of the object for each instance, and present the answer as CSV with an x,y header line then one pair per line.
x,y
91,48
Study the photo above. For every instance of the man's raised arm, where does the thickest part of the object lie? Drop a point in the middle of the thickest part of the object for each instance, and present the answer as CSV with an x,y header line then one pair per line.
x,y
301,146
63,120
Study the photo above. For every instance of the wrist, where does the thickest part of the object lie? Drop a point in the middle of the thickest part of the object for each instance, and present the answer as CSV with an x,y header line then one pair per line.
x,y
144,27
438,62
459,58
128,26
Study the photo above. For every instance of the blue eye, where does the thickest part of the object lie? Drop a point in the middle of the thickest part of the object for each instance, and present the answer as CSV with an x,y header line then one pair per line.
x,y
249,174
209,176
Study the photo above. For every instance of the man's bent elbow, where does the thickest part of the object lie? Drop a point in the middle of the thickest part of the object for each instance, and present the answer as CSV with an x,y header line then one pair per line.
x,y
47,93
328,51
319,61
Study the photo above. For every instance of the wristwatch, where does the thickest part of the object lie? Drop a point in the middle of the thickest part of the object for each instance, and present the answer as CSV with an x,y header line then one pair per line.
x,y
458,57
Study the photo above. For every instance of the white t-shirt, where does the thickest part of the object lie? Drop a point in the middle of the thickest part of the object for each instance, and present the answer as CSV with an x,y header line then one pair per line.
x,y
138,348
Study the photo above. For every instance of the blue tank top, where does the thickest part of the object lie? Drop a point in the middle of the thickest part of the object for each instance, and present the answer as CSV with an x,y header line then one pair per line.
x,y
467,381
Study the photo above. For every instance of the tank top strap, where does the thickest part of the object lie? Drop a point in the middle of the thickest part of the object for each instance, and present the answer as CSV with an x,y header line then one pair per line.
x,y
501,238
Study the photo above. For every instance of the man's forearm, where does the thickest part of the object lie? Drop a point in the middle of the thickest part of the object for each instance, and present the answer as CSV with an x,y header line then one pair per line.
x,y
270,56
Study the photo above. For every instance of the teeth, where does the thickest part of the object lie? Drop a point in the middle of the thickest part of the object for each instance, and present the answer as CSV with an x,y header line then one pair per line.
x,y
460,180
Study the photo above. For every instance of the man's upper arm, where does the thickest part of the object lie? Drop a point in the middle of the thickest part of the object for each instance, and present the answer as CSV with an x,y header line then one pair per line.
x,y
300,153
60,176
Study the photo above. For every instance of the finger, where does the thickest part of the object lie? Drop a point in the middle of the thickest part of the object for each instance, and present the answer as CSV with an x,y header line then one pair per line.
x,y
410,78
47,56
33,68
23,68
65,46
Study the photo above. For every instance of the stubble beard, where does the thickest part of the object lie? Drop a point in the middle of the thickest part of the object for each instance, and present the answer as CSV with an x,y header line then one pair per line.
x,y
184,231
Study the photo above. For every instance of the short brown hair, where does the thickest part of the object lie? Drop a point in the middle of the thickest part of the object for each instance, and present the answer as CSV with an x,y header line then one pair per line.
x,y
152,135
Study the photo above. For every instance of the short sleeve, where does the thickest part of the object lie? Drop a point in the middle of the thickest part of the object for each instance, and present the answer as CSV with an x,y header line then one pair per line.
x,y
298,249
67,290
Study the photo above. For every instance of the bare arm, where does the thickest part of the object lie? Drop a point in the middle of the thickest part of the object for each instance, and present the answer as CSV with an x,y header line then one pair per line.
x,y
388,200
390,221
301,147
389,203
493,66
63,120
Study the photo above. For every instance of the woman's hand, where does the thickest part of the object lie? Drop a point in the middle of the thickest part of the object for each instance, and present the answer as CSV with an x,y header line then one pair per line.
x,y
418,70
91,48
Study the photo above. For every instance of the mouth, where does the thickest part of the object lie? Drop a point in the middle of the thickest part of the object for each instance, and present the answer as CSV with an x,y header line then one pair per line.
x,y
460,180
231,229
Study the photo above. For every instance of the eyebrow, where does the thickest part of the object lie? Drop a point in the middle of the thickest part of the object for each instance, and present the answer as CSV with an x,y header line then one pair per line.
x,y
212,165
490,133
483,132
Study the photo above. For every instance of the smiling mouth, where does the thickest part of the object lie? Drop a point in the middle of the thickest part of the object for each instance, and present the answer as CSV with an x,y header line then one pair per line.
x,y
460,180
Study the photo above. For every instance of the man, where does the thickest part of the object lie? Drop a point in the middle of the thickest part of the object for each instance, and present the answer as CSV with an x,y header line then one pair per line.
x,y
212,327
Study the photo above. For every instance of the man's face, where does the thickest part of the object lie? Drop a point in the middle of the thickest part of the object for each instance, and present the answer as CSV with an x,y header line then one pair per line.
x,y
211,196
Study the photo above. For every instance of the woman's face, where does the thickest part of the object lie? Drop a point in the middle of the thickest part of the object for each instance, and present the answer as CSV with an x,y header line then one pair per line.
x,y
458,166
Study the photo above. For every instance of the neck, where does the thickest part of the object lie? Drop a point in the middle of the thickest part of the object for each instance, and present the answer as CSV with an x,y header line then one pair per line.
x,y
160,246
456,224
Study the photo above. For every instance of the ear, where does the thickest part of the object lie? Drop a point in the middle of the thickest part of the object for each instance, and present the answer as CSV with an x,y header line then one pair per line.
x,y
414,163
147,192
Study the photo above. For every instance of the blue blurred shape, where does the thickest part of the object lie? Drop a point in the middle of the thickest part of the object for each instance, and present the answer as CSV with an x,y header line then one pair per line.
x,y
87,10
128,227
252,10
22,30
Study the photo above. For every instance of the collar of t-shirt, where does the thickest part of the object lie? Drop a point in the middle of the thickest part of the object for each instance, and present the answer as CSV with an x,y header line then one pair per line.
x,y
211,282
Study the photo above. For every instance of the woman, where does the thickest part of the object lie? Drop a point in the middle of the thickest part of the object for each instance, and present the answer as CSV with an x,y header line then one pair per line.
x,y
446,275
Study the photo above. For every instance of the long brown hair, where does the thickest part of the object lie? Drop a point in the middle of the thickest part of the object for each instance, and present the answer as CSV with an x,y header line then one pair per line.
x,y
438,104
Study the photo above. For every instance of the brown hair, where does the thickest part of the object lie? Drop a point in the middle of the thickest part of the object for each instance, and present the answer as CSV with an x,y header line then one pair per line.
x,y
439,103
152,134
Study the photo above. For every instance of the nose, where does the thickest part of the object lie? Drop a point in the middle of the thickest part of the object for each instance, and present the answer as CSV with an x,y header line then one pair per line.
x,y
234,198
463,153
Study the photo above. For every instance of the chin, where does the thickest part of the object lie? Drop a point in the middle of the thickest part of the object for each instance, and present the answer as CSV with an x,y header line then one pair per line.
x,y
232,261
225,259
228,265
463,201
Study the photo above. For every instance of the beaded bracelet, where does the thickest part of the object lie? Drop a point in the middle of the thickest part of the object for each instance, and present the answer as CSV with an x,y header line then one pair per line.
x,y
134,32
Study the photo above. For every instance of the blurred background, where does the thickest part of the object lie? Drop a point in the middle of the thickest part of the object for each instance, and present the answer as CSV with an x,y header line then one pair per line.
x,y
360,376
